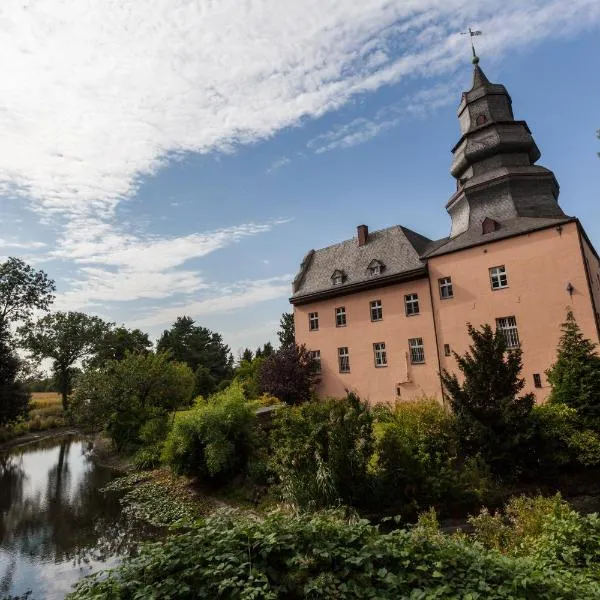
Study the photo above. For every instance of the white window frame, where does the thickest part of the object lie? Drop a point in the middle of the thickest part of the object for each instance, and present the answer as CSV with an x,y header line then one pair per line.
x,y
380,354
313,321
316,357
417,351
411,305
376,307
498,277
344,359
446,289
340,315
508,327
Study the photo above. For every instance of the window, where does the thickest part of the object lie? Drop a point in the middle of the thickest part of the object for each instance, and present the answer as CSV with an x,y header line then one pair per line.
x,y
340,316
411,304
498,277
481,119
315,355
537,380
337,279
508,327
447,350
380,354
376,310
375,270
417,352
446,288
344,360
313,321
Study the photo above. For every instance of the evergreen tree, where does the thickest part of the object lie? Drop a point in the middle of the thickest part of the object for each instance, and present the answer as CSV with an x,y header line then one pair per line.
x,y
492,420
247,355
575,376
287,332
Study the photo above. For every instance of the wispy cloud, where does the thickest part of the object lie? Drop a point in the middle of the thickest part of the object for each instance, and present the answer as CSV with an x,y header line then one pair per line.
x,y
277,164
33,245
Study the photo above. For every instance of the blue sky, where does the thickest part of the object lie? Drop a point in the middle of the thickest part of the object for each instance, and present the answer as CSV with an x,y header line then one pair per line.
x,y
167,157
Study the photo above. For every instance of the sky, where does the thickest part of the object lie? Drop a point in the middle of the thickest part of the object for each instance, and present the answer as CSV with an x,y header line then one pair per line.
x,y
161,158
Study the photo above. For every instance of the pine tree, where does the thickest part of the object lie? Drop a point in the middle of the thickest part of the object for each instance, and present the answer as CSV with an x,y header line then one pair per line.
x,y
492,420
575,376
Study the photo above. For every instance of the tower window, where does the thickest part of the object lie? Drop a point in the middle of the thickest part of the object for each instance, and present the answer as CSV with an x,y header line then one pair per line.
x,y
376,310
340,316
411,304
446,290
481,119
313,321
498,277
537,380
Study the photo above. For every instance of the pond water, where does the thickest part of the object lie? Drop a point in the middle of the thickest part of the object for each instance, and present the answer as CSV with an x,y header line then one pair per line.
x,y
55,526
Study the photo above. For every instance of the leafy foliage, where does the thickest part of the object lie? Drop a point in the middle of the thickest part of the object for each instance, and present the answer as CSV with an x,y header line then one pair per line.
x,y
492,420
575,376
248,373
117,342
287,330
14,398
124,397
326,556
321,452
215,438
65,337
288,374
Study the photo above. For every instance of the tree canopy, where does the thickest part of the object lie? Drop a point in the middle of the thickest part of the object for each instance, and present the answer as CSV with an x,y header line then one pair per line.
x,y
287,331
14,398
118,341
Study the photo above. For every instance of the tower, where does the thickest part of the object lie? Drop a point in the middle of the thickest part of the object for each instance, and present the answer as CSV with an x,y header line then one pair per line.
x,y
494,163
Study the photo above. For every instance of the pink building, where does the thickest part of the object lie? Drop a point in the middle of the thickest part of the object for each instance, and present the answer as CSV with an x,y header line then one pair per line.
x,y
382,312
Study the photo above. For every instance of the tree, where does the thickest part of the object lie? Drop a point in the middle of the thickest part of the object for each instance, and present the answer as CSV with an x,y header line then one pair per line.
x,y
492,419
287,331
575,376
288,374
265,351
121,397
118,341
22,289
198,346
247,355
66,338
247,374
14,398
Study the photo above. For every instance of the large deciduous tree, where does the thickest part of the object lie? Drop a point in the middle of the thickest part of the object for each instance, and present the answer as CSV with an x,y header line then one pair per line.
x,y
66,338
22,289
14,398
492,419
202,350
287,331
119,341
575,376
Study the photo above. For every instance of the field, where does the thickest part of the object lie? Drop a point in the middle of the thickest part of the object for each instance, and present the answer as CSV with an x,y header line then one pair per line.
x,y
45,404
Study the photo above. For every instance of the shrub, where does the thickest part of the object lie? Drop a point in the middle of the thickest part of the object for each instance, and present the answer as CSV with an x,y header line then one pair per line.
x,y
417,460
215,438
321,452
325,556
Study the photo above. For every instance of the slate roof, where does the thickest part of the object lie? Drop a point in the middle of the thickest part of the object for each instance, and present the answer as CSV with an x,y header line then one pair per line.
x,y
397,247
474,236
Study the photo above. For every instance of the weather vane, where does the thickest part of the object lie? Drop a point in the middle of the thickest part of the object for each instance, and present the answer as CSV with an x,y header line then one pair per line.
x,y
471,35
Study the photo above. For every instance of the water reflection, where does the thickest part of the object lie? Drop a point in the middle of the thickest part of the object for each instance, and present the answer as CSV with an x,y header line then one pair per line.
x,y
53,521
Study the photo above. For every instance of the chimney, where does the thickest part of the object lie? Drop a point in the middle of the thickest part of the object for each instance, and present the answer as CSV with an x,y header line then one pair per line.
x,y
362,232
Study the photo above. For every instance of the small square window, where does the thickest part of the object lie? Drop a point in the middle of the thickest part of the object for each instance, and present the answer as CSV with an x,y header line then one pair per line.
x,y
446,290
376,310
344,359
315,355
340,316
447,351
417,351
313,321
537,380
498,277
337,279
380,354
375,270
508,327
411,304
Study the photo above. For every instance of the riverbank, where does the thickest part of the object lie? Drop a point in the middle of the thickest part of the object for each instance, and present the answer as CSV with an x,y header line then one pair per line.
x,y
36,436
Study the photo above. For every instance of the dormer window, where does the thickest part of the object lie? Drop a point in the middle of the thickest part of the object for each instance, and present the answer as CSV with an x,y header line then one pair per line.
x,y
375,268
337,278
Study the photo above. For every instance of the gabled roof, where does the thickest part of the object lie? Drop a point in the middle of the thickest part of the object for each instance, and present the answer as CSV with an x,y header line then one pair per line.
x,y
397,247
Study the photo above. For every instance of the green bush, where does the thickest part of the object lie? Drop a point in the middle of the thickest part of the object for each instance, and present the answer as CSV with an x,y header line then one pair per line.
x,y
324,556
321,452
215,439
417,461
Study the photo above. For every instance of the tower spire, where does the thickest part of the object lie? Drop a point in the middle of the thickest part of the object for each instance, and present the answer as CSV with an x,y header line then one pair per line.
x,y
472,34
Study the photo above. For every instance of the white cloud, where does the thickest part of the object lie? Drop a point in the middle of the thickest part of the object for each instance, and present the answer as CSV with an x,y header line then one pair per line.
x,y
277,164
21,245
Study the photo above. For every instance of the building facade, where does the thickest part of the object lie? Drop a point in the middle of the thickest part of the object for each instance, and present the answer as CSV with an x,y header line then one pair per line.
x,y
383,312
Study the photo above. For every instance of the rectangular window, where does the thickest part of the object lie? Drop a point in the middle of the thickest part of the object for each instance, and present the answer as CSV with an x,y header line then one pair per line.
x,y
376,310
417,352
537,380
447,350
411,304
380,354
446,288
508,327
344,360
498,277
313,321
340,316
316,358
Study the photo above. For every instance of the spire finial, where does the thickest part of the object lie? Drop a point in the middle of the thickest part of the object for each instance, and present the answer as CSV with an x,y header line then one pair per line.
x,y
472,34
